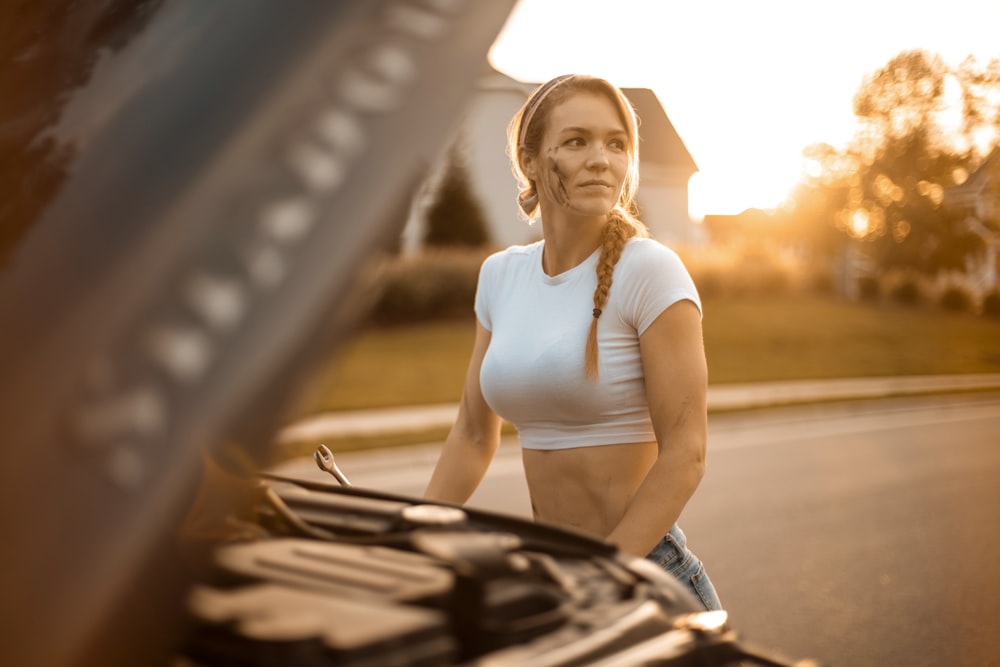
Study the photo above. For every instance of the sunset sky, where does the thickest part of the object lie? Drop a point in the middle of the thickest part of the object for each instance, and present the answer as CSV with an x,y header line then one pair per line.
x,y
747,83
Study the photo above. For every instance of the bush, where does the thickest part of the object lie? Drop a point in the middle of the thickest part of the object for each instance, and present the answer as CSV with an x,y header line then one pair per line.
x,y
956,298
991,304
818,280
760,278
906,292
868,288
435,284
709,281
750,271
456,217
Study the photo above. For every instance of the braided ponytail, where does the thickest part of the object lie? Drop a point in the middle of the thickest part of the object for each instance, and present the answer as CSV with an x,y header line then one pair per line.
x,y
620,228
527,200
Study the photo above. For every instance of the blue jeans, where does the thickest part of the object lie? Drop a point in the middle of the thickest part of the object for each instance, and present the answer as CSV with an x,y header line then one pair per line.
x,y
671,553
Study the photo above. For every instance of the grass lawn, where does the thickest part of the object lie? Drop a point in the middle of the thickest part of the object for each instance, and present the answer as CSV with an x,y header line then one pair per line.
x,y
808,337
747,339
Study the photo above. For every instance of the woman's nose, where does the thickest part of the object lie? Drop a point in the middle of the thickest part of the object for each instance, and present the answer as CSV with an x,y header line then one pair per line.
x,y
597,157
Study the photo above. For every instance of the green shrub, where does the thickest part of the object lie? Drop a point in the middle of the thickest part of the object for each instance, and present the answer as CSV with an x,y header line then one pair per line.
x,y
991,304
748,271
868,288
907,292
709,281
760,278
456,216
435,284
956,298
818,280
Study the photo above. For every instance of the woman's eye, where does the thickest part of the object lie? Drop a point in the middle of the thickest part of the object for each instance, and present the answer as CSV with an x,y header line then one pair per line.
x,y
617,144
575,141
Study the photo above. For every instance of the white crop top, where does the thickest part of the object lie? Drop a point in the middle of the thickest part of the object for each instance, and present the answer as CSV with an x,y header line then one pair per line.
x,y
533,374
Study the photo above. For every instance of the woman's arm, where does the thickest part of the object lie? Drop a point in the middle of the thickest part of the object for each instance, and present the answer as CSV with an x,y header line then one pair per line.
x,y
473,439
673,361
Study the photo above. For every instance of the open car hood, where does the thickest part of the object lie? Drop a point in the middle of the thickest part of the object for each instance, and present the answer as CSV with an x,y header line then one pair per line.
x,y
189,192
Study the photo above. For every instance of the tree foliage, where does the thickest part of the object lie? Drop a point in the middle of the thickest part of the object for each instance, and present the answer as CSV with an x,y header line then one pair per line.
x,y
812,211
456,217
921,130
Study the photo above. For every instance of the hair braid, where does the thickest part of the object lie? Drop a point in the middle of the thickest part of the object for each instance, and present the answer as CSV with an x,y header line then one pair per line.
x,y
527,199
619,229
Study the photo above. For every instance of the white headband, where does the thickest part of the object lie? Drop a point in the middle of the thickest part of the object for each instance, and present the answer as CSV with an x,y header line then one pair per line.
x,y
536,101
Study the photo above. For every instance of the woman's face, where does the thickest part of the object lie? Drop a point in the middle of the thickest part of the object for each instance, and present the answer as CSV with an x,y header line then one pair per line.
x,y
584,156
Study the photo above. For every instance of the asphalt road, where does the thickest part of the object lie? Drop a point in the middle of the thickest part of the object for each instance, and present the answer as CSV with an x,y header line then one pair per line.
x,y
856,533
860,533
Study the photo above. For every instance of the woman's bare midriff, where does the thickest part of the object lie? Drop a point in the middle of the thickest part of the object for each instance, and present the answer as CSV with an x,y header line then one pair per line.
x,y
586,488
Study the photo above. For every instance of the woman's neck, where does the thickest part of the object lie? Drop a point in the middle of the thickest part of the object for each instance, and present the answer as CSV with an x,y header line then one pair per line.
x,y
568,242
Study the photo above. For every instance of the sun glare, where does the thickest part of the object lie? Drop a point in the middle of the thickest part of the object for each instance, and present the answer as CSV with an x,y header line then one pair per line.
x,y
716,191
859,223
746,107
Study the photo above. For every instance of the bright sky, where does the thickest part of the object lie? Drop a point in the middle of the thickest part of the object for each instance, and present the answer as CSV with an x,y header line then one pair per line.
x,y
747,83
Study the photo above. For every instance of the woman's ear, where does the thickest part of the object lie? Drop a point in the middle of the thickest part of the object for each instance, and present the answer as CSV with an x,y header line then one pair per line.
x,y
529,166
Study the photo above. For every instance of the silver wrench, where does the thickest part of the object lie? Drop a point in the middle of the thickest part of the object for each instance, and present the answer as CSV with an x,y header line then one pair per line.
x,y
324,459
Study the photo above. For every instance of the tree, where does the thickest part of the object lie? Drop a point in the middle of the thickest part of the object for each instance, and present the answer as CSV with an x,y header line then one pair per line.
x,y
908,160
887,186
813,213
456,217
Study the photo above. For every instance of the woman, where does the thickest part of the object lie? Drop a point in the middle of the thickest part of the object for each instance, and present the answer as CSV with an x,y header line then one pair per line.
x,y
589,342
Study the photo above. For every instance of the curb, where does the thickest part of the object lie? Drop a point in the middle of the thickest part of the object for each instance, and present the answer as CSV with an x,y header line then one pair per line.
x,y
721,398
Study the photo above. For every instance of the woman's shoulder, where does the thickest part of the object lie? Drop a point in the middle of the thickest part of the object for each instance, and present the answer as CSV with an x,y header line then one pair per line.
x,y
653,277
640,253
512,254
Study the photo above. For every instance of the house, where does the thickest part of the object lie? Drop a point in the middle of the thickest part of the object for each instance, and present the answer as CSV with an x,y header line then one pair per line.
x,y
666,166
979,198
665,169
979,194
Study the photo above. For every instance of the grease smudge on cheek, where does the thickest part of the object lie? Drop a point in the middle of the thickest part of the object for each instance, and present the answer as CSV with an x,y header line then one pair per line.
x,y
555,183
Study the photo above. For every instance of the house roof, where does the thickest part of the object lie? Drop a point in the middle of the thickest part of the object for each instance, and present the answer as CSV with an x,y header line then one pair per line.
x,y
979,187
981,177
659,141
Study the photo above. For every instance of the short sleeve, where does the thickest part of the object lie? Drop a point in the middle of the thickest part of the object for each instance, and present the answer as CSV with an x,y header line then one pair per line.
x,y
653,278
485,291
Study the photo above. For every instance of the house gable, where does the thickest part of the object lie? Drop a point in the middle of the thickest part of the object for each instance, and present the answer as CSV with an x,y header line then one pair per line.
x,y
666,166
659,142
979,195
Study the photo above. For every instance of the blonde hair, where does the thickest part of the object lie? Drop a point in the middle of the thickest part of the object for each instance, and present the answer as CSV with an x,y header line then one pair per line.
x,y
524,137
